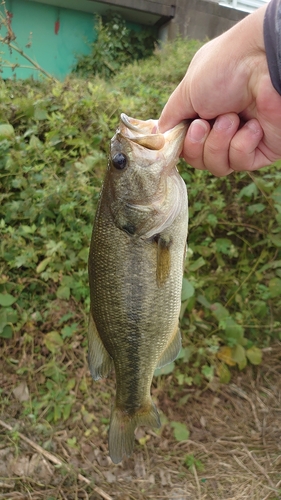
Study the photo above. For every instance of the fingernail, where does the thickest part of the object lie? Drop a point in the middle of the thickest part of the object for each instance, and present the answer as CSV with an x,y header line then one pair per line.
x,y
254,127
197,131
223,122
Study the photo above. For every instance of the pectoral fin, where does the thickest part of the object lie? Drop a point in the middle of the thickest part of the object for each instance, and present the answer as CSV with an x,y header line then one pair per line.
x,y
171,351
163,259
100,363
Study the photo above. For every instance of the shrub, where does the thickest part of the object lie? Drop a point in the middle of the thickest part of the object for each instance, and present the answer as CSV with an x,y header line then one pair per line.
x,y
116,46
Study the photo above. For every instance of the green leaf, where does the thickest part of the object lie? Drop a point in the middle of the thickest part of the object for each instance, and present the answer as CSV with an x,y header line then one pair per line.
x,y
275,287
239,356
276,195
233,330
35,142
248,191
181,432
208,372
223,245
194,266
53,341
66,411
7,332
212,219
187,290
219,311
68,330
202,300
7,315
256,208
43,264
278,218
66,317
276,239
224,374
84,254
40,114
6,299
6,131
254,355
190,461
63,292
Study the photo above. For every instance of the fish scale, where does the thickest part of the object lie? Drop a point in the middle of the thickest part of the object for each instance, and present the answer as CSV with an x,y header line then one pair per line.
x,y
135,275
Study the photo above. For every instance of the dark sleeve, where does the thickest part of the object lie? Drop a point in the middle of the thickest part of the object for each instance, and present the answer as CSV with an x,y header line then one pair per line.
x,y
272,41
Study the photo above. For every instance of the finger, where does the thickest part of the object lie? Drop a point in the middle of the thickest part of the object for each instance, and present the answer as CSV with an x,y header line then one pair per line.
x,y
216,149
193,148
244,152
177,108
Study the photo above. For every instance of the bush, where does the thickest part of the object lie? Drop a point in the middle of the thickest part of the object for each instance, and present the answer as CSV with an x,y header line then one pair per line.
x,y
116,46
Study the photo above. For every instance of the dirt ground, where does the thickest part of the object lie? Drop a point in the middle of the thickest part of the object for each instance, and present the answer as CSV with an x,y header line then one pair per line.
x,y
233,451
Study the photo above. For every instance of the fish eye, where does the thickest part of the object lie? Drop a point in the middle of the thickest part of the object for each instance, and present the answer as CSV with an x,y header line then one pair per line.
x,y
119,161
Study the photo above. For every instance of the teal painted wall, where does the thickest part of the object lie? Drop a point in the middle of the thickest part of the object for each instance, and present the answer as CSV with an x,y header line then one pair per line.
x,y
54,53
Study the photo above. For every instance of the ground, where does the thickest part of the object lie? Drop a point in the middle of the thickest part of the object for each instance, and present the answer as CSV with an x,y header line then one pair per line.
x,y
233,450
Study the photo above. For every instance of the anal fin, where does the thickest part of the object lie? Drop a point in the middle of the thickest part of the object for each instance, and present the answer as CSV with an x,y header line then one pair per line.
x,y
100,363
172,350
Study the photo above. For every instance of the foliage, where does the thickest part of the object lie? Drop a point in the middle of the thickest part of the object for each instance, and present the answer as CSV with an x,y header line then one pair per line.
x,y
54,140
231,293
190,462
181,433
116,45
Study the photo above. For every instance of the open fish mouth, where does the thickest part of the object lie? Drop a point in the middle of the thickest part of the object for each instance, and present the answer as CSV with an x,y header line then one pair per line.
x,y
139,126
142,132
146,134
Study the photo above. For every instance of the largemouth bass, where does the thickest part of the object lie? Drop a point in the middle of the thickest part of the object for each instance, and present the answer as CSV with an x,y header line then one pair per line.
x,y
135,271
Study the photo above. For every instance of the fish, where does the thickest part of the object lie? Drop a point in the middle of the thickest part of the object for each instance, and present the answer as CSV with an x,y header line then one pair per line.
x,y
136,262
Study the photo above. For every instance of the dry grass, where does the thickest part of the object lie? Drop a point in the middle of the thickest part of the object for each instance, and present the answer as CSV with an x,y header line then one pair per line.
x,y
235,437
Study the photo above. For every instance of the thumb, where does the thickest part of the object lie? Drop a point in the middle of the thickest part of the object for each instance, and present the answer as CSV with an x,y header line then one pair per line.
x,y
177,108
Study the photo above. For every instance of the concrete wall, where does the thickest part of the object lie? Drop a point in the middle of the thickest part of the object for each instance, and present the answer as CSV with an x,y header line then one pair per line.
x,y
55,52
200,19
59,34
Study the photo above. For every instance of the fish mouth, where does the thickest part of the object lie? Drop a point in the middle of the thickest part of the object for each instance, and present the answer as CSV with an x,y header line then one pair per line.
x,y
146,133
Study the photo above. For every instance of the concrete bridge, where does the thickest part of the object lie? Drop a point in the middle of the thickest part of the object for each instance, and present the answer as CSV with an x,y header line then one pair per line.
x,y
199,19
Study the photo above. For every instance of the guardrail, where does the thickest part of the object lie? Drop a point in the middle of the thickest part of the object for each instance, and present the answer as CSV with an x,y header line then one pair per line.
x,y
244,5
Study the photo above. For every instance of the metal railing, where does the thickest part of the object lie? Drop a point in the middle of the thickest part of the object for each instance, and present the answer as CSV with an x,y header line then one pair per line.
x,y
245,5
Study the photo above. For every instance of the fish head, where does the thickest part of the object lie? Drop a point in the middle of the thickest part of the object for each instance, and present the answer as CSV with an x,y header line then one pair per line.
x,y
142,179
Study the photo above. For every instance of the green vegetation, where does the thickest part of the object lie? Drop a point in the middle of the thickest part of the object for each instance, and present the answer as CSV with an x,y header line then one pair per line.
x,y
116,45
54,140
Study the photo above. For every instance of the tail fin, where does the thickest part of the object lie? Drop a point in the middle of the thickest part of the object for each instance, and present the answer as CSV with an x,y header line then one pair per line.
x,y
122,428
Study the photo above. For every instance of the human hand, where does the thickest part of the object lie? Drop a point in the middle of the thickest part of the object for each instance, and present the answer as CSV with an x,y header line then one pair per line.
x,y
227,88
